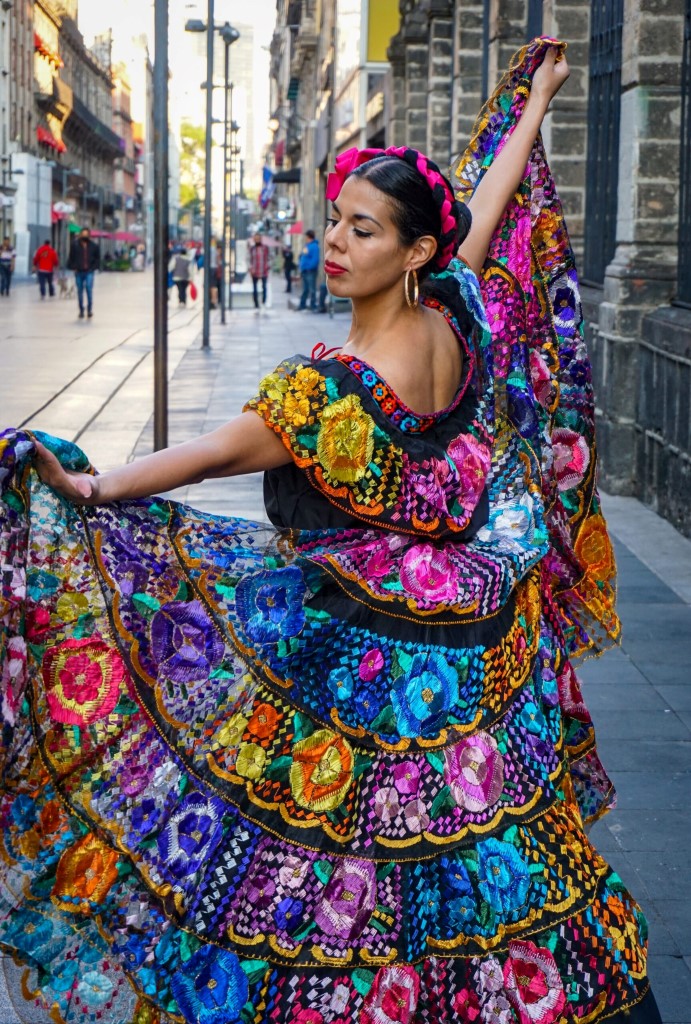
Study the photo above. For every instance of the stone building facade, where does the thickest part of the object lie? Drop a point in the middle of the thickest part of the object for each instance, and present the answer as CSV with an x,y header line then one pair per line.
x,y
619,140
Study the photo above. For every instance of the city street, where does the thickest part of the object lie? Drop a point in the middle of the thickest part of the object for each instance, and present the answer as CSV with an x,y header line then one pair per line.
x,y
92,382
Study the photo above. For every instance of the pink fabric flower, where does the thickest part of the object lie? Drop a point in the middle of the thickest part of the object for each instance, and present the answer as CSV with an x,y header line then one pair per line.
x,y
533,983
496,316
431,481
472,460
393,997
474,772
541,378
406,778
371,665
571,457
428,574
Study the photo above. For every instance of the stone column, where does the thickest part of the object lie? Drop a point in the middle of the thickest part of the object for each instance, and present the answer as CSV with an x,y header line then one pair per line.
x,y
439,82
467,79
415,35
642,274
565,129
396,93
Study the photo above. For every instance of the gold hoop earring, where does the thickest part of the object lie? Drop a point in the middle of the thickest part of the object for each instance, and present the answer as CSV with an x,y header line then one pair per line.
x,y
413,302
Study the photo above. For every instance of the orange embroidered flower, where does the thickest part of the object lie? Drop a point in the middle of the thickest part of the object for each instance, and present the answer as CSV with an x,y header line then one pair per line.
x,y
594,548
85,872
296,409
82,679
322,770
263,722
345,442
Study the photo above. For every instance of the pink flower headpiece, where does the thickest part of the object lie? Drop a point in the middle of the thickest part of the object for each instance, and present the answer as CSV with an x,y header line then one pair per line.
x,y
448,205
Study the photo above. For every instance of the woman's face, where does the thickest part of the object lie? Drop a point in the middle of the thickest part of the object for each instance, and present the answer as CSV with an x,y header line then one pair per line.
x,y
363,255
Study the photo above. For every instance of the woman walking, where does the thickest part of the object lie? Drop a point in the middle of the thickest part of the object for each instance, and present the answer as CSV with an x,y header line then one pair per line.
x,y
336,771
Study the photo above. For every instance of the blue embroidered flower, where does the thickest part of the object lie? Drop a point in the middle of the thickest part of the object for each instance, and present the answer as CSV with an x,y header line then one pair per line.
x,y
455,876
133,952
423,696
288,914
31,934
212,988
270,604
532,719
23,811
341,683
191,835
95,988
460,912
184,642
503,876
145,817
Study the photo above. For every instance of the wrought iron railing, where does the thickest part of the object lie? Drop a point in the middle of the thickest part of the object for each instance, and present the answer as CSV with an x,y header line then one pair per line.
x,y
684,268
604,104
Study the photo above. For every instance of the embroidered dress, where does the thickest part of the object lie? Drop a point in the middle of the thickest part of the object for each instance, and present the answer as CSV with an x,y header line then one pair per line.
x,y
335,770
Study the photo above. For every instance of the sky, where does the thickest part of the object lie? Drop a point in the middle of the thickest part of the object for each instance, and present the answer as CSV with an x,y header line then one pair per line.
x,y
125,19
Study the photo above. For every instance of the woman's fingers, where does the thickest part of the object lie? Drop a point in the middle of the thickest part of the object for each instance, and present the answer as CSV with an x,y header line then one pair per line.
x,y
77,487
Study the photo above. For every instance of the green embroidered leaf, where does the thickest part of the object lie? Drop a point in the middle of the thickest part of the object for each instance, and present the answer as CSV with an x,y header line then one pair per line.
x,y
485,915
404,660
511,836
247,1013
462,667
302,726
254,969
323,869
536,869
302,934
125,706
362,763
436,759
362,980
160,510
189,944
385,721
279,769
145,604
183,592
442,803
384,870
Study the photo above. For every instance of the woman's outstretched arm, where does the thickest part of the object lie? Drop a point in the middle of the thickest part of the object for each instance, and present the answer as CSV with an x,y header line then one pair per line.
x,y
244,445
499,184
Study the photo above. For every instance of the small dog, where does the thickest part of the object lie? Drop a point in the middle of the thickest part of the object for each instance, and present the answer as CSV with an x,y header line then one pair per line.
x,y
66,286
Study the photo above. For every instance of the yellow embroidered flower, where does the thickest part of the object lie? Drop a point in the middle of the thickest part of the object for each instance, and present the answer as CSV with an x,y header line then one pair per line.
x,y
230,733
296,408
306,380
85,871
322,770
345,442
251,761
273,386
594,548
71,605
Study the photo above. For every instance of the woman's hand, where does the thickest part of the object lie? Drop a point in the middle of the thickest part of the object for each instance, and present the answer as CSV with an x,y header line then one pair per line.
x,y
549,77
81,488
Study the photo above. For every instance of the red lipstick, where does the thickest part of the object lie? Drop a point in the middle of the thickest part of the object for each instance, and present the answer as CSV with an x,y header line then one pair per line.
x,y
333,269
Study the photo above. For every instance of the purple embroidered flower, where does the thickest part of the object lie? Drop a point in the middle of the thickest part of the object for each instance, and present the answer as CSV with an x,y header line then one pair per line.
x,y
406,778
371,664
427,573
292,871
474,772
184,642
145,817
472,461
270,604
348,899
430,481
191,835
416,816
423,696
386,804
133,778
490,977
288,914
497,1010
260,890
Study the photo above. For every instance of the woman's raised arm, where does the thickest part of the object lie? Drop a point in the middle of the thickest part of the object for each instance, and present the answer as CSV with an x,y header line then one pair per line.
x,y
244,445
499,184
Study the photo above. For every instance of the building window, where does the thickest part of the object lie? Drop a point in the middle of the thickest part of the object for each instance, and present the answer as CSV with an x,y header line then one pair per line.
x,y
684,271
534,23
604,105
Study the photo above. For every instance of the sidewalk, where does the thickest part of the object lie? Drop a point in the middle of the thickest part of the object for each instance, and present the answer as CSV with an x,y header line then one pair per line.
x,y
639,693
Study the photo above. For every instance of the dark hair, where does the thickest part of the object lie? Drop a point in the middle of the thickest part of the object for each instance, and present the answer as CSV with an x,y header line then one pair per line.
x,y
310,233
415,206
47,241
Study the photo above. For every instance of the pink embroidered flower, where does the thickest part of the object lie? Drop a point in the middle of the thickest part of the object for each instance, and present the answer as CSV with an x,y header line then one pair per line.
x,y
474,772
490,977
386,804
497,1010
467,1005
472,460
13,676
541,378
371,665
571,457
416,816
406,778
307,1017
379,564
430,481
519,251
83,679
393,997
533,983
496,316
427,574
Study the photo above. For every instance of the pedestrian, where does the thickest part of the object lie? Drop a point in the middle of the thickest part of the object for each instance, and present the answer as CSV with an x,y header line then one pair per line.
x,y
337,769
45,263
288,267
259,268
180,268
84,259
8,255
309,264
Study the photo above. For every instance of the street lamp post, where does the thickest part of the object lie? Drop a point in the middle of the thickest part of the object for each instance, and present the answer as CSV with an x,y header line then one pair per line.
x,y
161,226
229,35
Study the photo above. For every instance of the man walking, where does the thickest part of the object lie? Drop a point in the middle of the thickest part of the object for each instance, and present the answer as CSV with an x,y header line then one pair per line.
x,y
7,258
309,264
259,269
45,263
85,260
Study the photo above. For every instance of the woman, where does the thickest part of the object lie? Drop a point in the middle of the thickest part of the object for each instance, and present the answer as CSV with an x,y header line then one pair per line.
x,y
335,772
180,269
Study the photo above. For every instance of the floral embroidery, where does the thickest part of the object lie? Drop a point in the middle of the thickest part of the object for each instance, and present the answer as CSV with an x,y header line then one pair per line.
x,y
212,989
348,899
423,696
504,877
474,771
184,642
321,772
85,873
393,997
191,835
270,604
533,983
345,443
427,574
83,679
